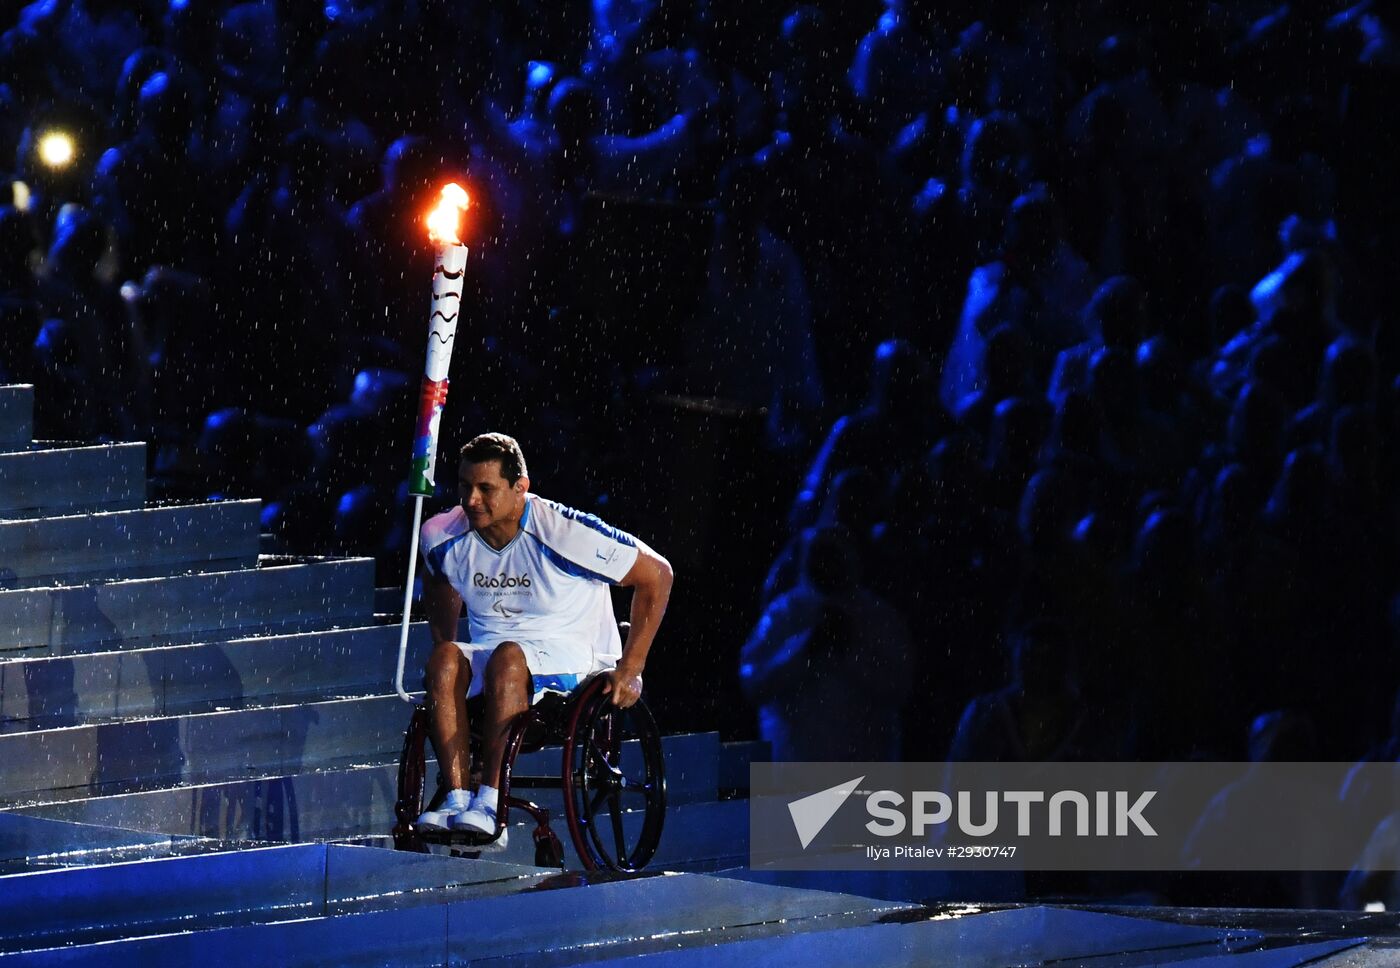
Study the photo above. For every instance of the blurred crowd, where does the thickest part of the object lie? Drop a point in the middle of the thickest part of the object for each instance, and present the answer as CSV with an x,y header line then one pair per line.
x,y
1071,327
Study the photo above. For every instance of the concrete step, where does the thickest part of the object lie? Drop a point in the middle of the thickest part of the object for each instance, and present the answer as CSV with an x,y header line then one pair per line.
x,y
168,680
16,415
734,760
328,904
129,544
358,801
146,611
56,478
248,887
976,939
32,843
163,751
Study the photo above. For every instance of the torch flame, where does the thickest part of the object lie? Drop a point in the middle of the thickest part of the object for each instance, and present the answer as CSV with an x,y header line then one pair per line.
x,y
445,220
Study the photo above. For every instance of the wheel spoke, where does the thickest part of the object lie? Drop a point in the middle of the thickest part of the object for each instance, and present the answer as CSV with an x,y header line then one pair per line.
x,y
630,785
617,757
619,838
598,756
608,774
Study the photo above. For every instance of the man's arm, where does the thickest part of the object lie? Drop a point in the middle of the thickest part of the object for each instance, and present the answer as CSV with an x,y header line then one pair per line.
x,y
443,606
650,579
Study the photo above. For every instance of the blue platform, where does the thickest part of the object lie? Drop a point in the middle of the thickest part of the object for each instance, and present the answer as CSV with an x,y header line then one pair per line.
x,y
197,766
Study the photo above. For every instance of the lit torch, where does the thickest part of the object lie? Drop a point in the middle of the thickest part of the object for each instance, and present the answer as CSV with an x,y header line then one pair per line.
x,y
442,329
451,260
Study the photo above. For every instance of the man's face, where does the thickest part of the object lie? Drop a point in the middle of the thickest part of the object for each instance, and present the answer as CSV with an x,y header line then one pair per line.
x,y
488,497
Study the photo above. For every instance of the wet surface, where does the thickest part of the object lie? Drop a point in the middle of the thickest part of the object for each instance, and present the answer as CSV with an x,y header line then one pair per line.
x,y
314,900
1382,928
85,893
569,879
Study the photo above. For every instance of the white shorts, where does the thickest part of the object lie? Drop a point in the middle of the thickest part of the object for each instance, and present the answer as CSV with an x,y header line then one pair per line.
x,y
556,665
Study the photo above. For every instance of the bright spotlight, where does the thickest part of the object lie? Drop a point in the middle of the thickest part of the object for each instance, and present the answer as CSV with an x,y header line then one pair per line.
x,y
56,149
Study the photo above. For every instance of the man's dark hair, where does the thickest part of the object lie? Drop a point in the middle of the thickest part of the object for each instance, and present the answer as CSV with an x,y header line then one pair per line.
x,y
489,447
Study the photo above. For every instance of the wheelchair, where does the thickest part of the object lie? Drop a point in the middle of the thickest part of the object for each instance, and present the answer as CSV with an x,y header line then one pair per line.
x,y
612,774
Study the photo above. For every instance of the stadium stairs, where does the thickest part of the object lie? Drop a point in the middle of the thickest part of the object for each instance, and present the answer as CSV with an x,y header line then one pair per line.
x,y
198,748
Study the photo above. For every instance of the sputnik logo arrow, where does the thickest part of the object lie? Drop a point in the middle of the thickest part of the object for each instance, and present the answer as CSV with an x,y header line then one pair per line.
x,y
812,813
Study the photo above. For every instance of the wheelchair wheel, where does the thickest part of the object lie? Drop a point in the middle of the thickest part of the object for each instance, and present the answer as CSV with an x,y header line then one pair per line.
x,y
614,782
410,793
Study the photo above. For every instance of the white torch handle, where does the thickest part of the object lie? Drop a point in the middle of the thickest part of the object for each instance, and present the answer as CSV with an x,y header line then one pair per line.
x,y
408,599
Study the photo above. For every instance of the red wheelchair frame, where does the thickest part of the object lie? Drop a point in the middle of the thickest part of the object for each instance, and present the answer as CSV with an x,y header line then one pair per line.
x,y
611,758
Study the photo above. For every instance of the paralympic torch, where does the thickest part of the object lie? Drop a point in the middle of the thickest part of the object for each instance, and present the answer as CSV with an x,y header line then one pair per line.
x,y
451,260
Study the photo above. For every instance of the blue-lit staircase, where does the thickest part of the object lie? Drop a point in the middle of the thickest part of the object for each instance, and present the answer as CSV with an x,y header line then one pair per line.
x,y
197,765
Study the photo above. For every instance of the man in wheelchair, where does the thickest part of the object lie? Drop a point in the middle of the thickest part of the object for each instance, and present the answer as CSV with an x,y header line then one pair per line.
x,y
534,577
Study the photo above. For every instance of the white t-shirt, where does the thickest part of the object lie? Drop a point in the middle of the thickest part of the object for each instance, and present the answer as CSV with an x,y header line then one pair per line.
x,y
550,583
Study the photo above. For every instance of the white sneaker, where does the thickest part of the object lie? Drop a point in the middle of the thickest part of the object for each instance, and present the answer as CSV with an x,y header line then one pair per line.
x,y
481,819
458,802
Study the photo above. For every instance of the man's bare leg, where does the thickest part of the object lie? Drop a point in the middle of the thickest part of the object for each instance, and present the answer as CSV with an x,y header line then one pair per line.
x,y
507,690
449,675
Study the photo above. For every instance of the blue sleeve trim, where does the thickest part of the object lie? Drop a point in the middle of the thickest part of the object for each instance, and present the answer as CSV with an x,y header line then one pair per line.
x,y
594,522
436,558
568,567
